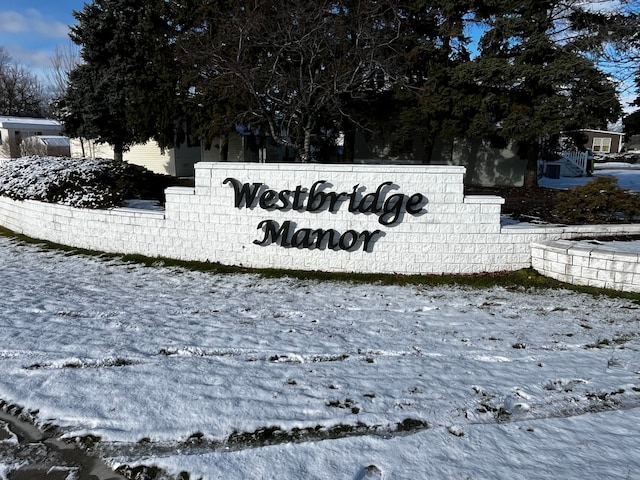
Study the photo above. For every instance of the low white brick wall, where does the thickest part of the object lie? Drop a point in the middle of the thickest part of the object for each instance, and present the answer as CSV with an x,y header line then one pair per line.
x,y
581,263
406,220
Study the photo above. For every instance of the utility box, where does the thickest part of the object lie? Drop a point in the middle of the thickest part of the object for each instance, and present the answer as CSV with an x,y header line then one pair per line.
x,y
553,171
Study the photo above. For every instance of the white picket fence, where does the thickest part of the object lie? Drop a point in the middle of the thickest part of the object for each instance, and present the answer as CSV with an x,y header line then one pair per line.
x,y
579,159
572,164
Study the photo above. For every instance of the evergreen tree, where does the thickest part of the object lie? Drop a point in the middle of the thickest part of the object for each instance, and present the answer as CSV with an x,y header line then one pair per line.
x,y
531,80
125,89
301,71
632,124
435,43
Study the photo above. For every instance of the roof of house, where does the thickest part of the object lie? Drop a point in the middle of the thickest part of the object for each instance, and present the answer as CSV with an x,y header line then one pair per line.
x,y
53,140
27,122
608,132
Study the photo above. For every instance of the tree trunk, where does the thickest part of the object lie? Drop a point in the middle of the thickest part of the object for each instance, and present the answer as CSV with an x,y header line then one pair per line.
x,y
224,147
305,154
118,150
472,162
531,172
428,151
349,145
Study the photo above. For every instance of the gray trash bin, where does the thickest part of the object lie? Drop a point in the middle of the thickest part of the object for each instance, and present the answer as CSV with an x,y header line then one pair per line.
x,y
553,171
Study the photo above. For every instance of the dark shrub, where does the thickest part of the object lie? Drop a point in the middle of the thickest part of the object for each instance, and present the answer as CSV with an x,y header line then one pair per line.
x,y
80,182
599,201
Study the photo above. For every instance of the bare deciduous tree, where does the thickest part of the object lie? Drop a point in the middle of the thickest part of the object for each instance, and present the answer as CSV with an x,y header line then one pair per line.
x,y
21,93
289,69
64,60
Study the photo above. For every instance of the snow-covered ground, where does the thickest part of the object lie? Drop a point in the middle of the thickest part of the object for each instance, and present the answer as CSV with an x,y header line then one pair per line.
x,y
243,377
238,376
628,176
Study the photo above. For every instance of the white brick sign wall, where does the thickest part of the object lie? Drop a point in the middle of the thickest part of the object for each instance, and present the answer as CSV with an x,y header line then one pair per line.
x,y
588,263
348,218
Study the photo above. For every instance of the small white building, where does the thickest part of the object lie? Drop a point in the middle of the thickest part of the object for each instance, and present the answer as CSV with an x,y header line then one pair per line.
x,y
13,130
46,146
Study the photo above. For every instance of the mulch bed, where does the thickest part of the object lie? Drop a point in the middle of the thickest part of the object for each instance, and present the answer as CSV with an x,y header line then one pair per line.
x,y
523,204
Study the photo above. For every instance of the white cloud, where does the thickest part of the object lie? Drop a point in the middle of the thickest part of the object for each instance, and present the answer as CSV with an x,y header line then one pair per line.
x,y
30,38
12,22
32,58
32,22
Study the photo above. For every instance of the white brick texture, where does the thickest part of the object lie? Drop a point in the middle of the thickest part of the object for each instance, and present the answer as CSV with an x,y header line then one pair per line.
x,y
373,219
593,266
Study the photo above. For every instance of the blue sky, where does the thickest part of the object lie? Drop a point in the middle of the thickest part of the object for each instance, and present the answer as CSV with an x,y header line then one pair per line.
x,y
31,29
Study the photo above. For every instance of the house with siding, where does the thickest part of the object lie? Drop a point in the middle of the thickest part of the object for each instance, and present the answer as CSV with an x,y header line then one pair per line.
x,y
241,146
45,138
486,164
178,161
21,136
13,130
247,145
603,141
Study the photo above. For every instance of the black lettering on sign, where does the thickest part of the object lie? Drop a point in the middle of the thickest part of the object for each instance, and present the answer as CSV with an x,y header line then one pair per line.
x,y
288,236
389,208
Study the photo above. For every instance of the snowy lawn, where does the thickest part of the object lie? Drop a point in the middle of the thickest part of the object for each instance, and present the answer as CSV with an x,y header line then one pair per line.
x,y
628,177
242,377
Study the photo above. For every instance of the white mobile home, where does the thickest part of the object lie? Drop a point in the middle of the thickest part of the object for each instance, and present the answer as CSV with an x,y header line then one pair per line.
x,y
13,130
178,161
45,138
244,145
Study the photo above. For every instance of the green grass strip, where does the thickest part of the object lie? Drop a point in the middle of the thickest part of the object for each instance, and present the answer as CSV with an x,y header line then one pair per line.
x,y
518,280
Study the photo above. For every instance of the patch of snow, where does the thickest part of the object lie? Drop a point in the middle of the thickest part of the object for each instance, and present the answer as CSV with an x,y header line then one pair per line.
x,y
617,166
143,204
631,246
166,365
628,178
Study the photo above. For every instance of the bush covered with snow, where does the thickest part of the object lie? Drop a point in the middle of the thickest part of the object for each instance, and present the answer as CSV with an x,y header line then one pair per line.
x,y
599,201
79,182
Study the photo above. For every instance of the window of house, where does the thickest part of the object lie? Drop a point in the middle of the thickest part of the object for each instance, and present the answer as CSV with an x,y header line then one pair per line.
x,y
601,144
